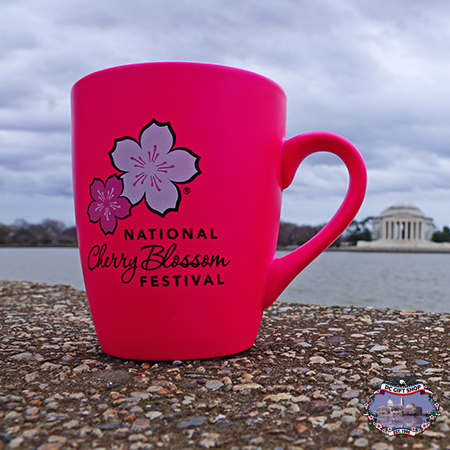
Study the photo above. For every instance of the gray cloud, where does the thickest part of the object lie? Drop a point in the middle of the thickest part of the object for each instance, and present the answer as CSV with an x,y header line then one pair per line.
x,y
374,72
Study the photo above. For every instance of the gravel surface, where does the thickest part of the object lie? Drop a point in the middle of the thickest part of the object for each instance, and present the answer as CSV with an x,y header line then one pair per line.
x,y
301,386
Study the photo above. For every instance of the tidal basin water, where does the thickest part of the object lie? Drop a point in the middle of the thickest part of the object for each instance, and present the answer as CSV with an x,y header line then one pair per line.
x,y
406,281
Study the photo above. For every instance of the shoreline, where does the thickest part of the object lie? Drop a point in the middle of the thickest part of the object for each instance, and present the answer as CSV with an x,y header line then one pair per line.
x,y
355,249
302,385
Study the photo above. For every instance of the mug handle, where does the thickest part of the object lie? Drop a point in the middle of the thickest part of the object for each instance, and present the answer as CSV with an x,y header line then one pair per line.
x,y
293,152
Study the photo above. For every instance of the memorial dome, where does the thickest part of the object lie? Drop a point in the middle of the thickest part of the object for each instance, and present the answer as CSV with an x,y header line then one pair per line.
x,y
402,226
402,207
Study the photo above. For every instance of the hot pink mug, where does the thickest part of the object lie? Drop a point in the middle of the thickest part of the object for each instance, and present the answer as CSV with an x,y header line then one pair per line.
x,y
178,174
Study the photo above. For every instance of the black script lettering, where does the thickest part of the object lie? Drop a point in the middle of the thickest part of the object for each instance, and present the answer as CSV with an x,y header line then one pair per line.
x,y
195,262
218,261
155,258
97,260
158,257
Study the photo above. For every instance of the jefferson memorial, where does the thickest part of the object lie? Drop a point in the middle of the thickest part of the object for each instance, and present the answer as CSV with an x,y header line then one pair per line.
x,y
402,226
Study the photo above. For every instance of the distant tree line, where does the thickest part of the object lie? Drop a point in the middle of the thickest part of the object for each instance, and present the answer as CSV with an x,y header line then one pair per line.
x,y
47,233
293,235
441,236
55,233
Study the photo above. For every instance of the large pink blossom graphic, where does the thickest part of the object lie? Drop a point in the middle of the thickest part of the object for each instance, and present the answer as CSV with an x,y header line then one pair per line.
x,y
107,205
152,167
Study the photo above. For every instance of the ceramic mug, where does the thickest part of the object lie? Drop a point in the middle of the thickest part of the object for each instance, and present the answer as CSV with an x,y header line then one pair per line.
x,y
178,174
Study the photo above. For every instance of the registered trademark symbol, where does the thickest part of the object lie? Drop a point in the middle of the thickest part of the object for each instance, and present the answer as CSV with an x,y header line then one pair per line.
x,y
186,190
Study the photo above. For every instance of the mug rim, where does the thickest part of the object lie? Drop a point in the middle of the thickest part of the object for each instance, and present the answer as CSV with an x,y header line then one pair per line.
x,y
212,66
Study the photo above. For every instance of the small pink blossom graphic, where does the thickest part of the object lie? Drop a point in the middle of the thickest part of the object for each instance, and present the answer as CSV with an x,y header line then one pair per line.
x,y
152,167
107,205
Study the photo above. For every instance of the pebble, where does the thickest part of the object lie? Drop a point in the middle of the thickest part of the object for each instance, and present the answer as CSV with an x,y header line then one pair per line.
x,y
191,422
357,432
209,440
379,348
304,381
361,442
317,420
421,362
246,386
332,426
140,425
382,446
278,397
336,339
351,393
16,442
317,360
213,384
74,423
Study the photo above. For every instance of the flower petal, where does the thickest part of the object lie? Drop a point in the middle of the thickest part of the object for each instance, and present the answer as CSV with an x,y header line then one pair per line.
x,y
97,189
185,165
159,136
108,223
114,186
94,211
122,207
125,153
131,190
163,200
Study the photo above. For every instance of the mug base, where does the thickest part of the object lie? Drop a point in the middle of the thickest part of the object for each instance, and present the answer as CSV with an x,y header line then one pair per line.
x,y
173,356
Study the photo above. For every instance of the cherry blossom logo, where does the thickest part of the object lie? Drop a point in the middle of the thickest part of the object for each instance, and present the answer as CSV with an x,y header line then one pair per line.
x,y
151,168
107,205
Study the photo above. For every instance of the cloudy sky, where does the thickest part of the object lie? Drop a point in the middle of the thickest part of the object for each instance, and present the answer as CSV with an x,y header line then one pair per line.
x,y
376,72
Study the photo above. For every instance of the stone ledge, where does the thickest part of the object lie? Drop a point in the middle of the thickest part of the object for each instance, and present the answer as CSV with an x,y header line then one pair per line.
x,y
302,385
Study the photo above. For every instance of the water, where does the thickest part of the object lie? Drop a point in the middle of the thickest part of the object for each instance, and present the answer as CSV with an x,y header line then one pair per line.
x,y
45,265
407,281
